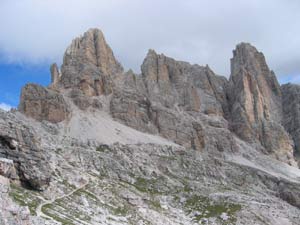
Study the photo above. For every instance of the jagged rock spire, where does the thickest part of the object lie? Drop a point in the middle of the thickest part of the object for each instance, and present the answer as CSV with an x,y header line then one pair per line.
x,y
254,86
92,49
89,64
255,102
55,74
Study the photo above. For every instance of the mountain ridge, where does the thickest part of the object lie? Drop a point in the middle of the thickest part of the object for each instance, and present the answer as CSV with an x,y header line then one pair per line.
x,y
177,143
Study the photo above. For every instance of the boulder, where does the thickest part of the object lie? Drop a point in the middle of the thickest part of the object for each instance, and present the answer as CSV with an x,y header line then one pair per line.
x,y
7,168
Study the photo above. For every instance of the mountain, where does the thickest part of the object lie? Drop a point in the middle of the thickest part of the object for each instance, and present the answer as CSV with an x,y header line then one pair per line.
x,y
176,144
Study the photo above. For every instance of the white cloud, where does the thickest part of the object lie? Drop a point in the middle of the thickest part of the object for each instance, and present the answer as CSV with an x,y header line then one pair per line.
x,y
199,31
5,106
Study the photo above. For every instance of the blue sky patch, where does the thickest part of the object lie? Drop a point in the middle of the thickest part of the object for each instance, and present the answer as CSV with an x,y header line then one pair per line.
x,y
14,76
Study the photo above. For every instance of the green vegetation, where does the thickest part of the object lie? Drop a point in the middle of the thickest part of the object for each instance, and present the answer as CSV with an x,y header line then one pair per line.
x,y
88,194
61,212
58,150
146,185
206,209
49,210
102,148
25,197
121,211
156,205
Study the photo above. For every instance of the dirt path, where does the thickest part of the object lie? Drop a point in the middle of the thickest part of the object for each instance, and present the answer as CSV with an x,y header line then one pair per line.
x,y
39,211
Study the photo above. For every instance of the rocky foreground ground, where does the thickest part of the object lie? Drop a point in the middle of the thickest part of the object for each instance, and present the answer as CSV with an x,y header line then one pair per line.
x,y
176,144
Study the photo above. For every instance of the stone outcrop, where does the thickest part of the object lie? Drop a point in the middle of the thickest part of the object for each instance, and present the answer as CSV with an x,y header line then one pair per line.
x,y
43,104
17,143
160,100
255,102
55,74
191,87
170,98
89,65
90,169
7,168
291,112
10,212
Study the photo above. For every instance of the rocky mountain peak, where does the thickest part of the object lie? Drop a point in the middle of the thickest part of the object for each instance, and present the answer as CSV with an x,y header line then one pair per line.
x,y
92,49
178,141
250,102
255,101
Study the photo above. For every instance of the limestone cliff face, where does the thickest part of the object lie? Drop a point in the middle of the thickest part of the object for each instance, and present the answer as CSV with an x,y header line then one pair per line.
x,y
197,136
174,99
291,110
18,143
43,104
255,102
192,87
89,65
161,99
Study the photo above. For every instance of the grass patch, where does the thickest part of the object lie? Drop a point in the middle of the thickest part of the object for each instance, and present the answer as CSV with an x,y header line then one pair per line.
x,y
147,185
156,205
204,208
48,210
121,211
102,148
88,194
24,197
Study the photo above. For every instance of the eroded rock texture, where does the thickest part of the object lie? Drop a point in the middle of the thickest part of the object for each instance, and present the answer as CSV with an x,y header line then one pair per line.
x,y
18,143
291,110
255,102
191,87
43,104
10,212
174,99
161,99
89,65
96,170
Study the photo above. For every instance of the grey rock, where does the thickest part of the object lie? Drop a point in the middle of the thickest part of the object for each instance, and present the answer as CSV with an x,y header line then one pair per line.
x,y
7,168
43,104
18,143
10,212
55,74
192,87
89,65
255,102
90,169
291,112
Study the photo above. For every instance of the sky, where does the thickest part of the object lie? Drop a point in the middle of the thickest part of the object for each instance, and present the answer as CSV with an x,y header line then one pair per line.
x,y
35,33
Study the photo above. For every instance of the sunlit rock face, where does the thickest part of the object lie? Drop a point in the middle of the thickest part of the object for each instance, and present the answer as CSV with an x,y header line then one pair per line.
x,y
255,102
43,104
89,64
192,87
176,144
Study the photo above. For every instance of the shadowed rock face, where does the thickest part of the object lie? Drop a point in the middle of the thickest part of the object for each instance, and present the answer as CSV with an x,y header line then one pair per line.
x,y
291,110
255,102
